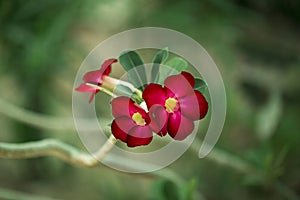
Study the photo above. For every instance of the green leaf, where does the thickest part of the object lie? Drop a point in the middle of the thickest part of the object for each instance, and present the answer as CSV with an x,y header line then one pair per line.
x,y
160,57
172,67
134,65
178,64
200,85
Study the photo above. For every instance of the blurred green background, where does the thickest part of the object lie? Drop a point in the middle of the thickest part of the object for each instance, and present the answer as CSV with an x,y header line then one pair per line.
x,y
256,46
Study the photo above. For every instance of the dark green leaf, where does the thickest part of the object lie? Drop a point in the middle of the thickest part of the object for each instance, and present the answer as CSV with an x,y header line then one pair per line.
x,y
160,57
134,65
200,85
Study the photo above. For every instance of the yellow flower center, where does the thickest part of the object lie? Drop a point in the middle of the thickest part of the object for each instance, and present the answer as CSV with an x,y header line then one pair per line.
x,y
171,104
138,119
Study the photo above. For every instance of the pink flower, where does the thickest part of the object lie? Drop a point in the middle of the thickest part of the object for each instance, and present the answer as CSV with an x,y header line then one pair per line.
x,y
131,123
182,105
95,77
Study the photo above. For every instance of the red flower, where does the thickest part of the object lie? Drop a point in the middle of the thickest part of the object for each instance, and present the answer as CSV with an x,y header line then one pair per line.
x,y
182,105
131,123
96,77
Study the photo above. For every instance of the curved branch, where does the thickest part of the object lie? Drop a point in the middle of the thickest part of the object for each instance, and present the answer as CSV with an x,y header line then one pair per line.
x,y
52,147
75,157
71,155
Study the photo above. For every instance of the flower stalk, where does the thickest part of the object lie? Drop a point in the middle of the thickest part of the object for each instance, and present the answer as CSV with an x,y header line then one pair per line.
x,y
103,151
103,89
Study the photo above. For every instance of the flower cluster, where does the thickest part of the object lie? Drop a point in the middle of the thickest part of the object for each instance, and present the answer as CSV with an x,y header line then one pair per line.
x,y
171,108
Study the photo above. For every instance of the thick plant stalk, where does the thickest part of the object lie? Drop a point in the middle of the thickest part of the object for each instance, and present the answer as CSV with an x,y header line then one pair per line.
x,y
71,155
103,151
52,147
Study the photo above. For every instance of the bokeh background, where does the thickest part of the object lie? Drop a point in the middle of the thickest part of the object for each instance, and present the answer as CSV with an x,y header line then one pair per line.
x,y
256,46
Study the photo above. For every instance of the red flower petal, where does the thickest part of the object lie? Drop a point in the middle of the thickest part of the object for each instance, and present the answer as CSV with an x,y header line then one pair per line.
x,y
159,119
190,107
179,127
86,88
154,94
179,85
123,106
92,96
139,135
203,105
121,126
189,77
106,66
93,77
96,76
117,132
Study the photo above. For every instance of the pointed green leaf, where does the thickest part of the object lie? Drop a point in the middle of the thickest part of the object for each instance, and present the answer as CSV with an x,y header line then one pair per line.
x,y
178,64
134,65
160,57
200,85
172,67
